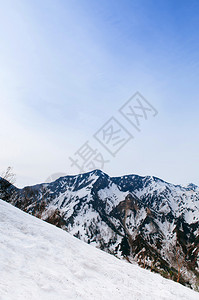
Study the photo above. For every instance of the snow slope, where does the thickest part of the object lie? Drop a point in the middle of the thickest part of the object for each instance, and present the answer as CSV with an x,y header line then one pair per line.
x,y
40,261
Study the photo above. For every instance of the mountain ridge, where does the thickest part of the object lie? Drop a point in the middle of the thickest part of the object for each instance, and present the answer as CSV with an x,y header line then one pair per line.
x,y
144,219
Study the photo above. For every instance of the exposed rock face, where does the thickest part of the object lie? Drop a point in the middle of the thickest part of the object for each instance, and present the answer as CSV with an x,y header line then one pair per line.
x,y
143,219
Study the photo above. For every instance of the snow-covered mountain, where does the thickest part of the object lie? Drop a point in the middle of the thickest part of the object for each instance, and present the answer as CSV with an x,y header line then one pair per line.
x,y
40,261
144,219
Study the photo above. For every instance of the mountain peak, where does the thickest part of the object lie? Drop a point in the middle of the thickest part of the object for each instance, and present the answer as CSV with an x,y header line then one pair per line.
x,y
142,218
192,186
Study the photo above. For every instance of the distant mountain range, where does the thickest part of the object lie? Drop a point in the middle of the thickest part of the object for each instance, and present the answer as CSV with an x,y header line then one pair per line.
x,y
144,219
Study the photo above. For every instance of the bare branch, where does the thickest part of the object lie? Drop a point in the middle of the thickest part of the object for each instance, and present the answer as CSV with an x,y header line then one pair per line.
x,y
9,175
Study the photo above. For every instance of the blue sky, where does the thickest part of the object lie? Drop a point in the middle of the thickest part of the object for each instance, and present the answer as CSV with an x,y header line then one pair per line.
x,y
68,66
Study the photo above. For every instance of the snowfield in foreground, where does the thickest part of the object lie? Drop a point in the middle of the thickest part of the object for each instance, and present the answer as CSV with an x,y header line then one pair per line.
x,y
39,261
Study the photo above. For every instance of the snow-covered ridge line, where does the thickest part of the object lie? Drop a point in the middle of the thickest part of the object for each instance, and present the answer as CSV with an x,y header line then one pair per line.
x,y
142,218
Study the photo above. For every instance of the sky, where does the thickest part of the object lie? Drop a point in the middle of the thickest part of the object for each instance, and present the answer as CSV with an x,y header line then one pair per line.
x,y
67,67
